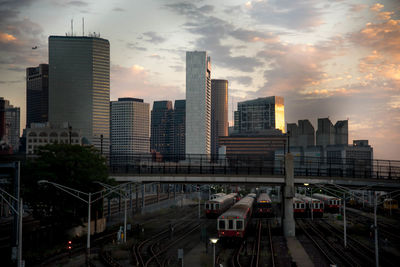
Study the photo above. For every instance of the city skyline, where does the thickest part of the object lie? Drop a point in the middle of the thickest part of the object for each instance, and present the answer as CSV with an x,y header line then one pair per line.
x,y
326,58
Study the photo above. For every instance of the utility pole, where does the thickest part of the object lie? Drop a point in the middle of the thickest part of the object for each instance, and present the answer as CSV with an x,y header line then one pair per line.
x,y
376,232
344,220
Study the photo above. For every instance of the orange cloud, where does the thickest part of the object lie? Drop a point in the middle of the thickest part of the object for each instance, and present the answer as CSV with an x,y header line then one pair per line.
x,y
376,7
385,15
318,93
7,38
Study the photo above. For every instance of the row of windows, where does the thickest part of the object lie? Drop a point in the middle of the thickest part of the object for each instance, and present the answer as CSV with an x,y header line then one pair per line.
x,y
61,141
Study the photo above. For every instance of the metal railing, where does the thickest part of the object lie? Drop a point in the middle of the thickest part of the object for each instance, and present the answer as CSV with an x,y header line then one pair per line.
x,y
253,165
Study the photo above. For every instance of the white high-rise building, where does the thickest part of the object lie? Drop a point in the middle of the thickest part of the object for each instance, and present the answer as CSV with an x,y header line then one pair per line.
x,y
198,103
130,129
79,86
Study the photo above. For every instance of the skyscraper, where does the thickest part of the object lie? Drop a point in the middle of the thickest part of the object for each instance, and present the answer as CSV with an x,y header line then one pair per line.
x,y
198,103
302,134
219,112
179,129
325,132
9,124
260,114
37,94
162,128
328,134
130,129
79,86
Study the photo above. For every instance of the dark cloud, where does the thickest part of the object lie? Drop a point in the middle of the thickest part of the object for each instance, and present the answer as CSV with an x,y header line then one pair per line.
x,y
211,31
153,37
156,56
299,15
77,3
245,80
118,9
135,46
11,82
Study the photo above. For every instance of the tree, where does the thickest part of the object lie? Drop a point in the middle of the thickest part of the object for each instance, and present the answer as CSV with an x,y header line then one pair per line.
x,y
70,165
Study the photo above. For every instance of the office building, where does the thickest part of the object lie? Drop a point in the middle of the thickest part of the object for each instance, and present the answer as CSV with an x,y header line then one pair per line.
x,y
329,134
179,119
302,135
37,94
130,129
162,128
79,86
198,103
260,114
41,134
253,146
342,132
219,112
9,124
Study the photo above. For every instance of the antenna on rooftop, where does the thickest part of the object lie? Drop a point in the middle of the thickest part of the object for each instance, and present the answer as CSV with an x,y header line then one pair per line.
x,y
72,27
83,26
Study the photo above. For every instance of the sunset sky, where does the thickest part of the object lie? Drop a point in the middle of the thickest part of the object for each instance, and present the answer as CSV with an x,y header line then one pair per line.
x,y
327,58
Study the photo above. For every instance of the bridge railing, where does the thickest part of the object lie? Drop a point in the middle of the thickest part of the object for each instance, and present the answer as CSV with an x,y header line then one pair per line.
x,y
253,165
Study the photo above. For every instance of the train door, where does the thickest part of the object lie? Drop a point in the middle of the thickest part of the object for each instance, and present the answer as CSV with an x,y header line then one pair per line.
x,y
230,224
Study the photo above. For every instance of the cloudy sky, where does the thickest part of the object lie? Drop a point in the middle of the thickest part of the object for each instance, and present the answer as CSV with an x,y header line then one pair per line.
x,y
327,58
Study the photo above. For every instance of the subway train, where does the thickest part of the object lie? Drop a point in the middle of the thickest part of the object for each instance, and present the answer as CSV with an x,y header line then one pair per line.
x,y
331,204
263,206
232,224
313,205
217,206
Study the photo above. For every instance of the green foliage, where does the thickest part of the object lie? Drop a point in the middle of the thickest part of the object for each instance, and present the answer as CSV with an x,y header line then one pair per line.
x,y
74,166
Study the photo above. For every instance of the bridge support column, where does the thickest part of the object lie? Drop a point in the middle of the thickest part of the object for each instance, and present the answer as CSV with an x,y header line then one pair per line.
x,y
137,198
158,193
143,202
288,221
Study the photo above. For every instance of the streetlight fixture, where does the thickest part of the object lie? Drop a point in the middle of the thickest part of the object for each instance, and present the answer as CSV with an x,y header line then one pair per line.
x,y
77,194
214,241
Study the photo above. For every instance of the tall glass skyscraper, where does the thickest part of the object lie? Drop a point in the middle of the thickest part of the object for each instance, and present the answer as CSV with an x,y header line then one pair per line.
x,y
79,86
219,112
179,129
198,103
260,114
162,128
37,94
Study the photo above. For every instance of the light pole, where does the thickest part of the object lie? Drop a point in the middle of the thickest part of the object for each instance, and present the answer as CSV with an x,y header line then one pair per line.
x,y
77,194
20,213
214,241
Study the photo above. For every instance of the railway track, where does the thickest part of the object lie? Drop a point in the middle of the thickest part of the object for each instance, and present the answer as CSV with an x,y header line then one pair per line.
x,y
147,251
334,253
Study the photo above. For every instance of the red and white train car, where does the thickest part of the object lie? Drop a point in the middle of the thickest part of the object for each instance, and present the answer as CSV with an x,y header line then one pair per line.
x,y
299,207
332,204
217,206
233,223
263,206
313,205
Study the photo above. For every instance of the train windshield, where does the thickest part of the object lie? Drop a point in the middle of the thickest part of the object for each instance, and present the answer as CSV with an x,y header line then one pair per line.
x,y
239,225
230,224
217,206
221,224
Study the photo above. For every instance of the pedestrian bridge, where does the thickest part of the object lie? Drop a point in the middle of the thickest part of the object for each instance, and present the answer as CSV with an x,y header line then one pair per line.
x,y
377,174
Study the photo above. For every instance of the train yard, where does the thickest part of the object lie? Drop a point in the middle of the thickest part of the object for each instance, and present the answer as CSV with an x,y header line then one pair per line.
x,y
249,230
